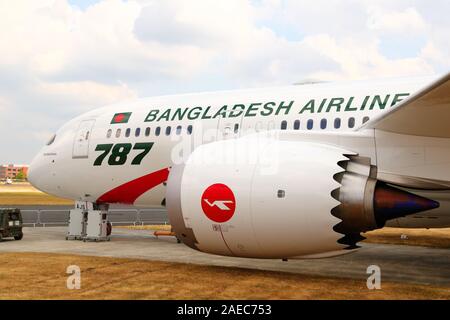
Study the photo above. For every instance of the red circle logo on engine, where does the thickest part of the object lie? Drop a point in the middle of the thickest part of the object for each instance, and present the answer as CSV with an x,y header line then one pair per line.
x,y
218,203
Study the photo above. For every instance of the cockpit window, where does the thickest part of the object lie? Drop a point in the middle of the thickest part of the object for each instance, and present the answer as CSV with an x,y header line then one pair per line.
x,y
52,139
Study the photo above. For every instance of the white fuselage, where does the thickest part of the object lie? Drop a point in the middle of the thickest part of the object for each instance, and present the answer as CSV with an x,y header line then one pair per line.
x,y
84,162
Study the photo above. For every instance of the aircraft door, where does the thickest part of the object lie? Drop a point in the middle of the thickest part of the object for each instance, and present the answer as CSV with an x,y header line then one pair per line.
x,y
82,137
229,128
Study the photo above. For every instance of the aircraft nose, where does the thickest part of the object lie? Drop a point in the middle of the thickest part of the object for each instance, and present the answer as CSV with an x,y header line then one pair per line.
x,y
32,174
35,173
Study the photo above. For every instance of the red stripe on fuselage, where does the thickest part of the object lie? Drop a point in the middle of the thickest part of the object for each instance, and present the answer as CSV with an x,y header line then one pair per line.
x,y
127,193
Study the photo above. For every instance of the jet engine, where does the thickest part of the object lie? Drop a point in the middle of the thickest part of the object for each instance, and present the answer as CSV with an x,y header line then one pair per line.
x,y
268,198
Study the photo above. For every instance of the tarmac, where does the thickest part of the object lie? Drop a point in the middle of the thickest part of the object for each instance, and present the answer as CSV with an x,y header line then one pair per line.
x,y
406,264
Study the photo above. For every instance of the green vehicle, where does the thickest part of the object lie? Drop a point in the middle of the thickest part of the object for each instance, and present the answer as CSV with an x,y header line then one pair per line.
x,y
10,224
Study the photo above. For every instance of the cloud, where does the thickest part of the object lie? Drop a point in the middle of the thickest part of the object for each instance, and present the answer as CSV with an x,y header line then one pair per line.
x,y
406,21
3,105
85,92
333,17
366,61
158,23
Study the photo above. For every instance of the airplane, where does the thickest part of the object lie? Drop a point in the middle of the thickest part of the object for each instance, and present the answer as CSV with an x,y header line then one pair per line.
x,y
291,172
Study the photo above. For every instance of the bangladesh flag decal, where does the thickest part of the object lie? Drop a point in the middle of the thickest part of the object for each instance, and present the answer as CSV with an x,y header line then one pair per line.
x,y
122,117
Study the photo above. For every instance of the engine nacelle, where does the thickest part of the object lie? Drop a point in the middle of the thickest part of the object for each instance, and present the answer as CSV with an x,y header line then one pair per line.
x,y
266,198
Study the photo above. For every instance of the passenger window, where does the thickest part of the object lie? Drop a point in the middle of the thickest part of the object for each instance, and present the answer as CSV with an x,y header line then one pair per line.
x,y
236,127
178,130
147,131
168,129
157,131
297,125
365,119
127,132
108,135
137,133
323,124
118,132
337,123
351,122
310,124
283,125
189,129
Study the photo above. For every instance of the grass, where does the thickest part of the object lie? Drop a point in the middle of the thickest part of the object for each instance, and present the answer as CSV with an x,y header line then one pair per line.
x,y
31,198
23,277
435,238
25,194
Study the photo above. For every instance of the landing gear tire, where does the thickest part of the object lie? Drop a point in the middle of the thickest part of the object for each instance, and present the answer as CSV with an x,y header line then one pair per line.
x,y
19,236
108,228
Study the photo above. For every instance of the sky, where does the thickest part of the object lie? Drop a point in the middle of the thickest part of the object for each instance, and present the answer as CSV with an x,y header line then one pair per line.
x,y
60,58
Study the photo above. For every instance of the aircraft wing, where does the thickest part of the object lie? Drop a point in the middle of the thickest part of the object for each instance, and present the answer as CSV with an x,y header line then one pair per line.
x,y
425,113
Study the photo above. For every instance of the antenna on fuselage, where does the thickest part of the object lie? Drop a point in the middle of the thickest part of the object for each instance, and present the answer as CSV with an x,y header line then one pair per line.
x,y
308,81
